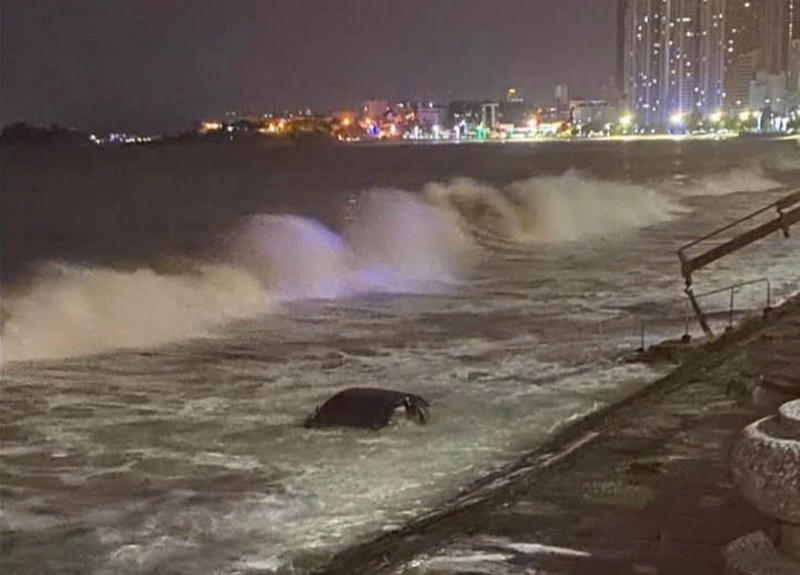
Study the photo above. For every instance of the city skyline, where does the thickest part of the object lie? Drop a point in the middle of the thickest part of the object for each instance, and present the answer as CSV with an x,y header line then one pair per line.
x,y
703,58
151,65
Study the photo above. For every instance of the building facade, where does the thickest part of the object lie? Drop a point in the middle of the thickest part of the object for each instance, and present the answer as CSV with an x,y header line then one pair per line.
x,y
739,74
674,56
430,117
761,36
489,114
561,101
794,66
777,35
593,115
376,109
744,24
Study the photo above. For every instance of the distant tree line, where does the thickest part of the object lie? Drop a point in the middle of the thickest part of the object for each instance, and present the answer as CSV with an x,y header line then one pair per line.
x,y
23,133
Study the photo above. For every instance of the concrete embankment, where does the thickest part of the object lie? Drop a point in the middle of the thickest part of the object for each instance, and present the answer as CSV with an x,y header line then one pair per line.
x,y
642,486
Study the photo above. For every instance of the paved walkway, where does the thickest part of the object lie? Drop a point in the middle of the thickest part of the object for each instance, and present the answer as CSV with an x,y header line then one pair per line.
x,y
642,488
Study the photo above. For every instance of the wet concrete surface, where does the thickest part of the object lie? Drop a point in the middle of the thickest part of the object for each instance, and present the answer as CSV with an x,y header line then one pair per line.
x,y
643,487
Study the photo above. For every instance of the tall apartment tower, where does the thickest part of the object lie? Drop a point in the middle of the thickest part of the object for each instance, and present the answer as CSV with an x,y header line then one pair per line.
x,y
743,49
561,97
777,34
619,73
743,23
674,57
758,43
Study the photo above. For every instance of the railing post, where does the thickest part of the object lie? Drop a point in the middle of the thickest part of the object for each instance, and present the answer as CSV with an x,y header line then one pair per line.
x,y
686,319
769,297
701,317
730,312
642,348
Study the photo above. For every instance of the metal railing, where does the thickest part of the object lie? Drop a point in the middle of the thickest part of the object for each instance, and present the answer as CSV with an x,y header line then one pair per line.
x,y
780,205
733,288
781,222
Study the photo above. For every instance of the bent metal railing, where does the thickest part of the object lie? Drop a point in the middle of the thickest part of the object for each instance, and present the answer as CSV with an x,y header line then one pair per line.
x,y
733,288
782,222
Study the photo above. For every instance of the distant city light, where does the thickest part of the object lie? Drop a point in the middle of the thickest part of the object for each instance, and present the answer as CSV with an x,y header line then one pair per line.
x,y
716,117
210,126
626,120
744,115
677,118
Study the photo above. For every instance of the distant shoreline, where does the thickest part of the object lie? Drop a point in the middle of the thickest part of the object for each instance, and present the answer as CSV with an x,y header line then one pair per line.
x,y
318,143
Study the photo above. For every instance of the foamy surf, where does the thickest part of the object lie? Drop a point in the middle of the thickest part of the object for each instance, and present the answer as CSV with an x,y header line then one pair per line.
x,y
192,459
750,178
394,242
75,310
783,162
569,207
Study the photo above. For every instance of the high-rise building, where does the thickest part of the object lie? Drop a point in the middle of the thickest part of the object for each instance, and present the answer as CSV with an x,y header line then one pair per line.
x,y
794,65
489,114
777,34
643,61
561,97
759,50
674,58
743,27
739,74
619,76
561,93
743,49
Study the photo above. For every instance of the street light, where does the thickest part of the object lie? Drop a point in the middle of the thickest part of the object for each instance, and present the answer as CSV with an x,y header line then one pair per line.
x,y
716,117
744,115
626,120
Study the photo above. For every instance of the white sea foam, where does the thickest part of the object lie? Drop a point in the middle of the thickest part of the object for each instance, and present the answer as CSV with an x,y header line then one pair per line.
x,y
568,207
574,206
785,162
194,461
400,243
72,310
294,257
749,178
395,242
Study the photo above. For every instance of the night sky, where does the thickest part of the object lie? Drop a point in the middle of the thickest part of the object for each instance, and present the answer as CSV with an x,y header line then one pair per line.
x,y
157,65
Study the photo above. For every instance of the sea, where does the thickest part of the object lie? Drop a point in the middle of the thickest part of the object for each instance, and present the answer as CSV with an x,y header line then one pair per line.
x,y
171,313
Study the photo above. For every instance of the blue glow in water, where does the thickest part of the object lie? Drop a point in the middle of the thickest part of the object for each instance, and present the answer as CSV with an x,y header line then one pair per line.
x,y
377,277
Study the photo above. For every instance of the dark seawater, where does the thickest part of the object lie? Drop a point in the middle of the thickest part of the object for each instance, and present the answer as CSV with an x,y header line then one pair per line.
x,y
172,313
